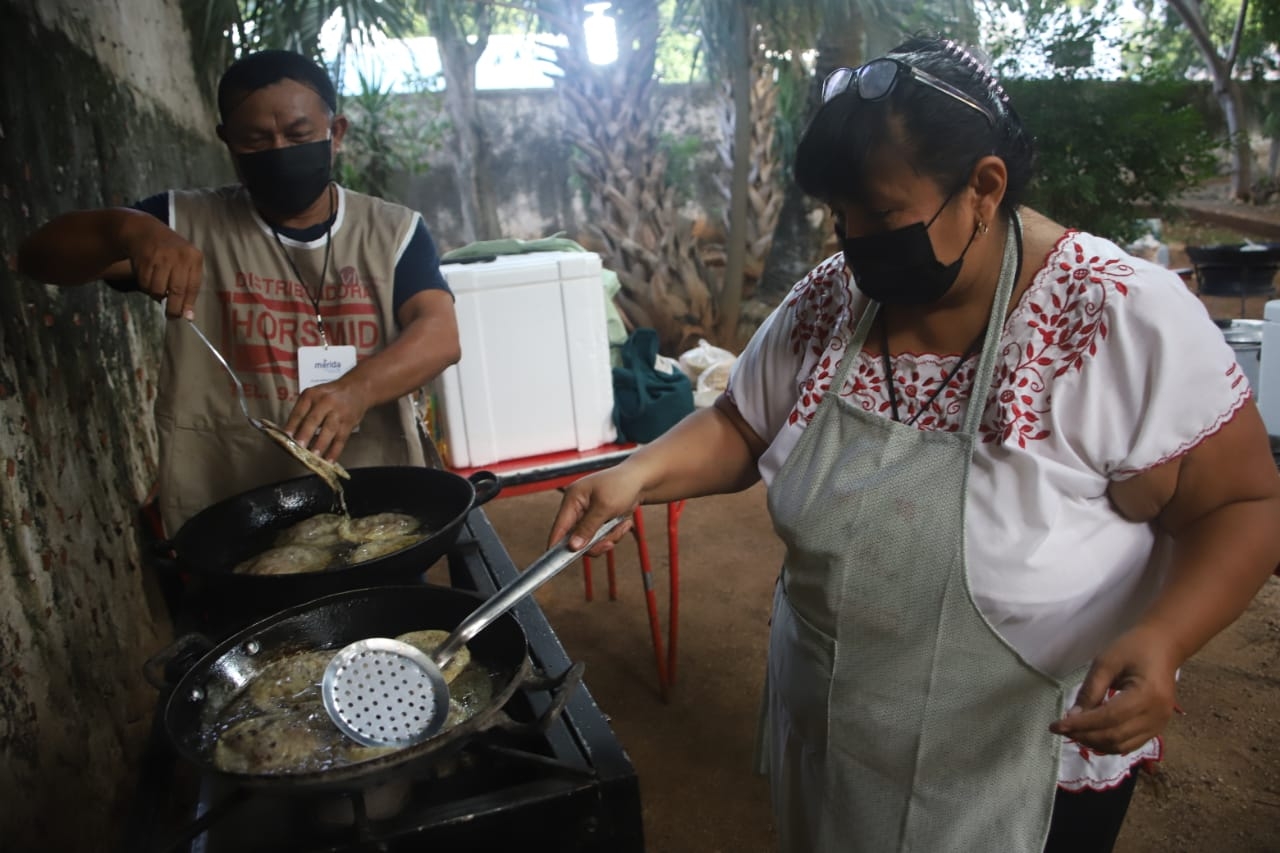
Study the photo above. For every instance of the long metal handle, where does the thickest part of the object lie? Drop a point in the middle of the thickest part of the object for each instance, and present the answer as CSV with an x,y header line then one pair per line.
x,y
244,405
543,569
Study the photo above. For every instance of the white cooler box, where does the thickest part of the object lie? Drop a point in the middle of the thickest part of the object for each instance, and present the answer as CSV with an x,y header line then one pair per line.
x,y
535,375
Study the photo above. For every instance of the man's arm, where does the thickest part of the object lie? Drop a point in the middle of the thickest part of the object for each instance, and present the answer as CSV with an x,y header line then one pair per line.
x,y
116,243
428,343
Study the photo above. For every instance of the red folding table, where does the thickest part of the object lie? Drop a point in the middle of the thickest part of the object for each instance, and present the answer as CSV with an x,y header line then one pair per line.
x,y
557,470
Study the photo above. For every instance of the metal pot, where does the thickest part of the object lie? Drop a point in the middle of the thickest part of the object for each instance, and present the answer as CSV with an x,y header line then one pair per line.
x,y
1245,338
1238,269
212,542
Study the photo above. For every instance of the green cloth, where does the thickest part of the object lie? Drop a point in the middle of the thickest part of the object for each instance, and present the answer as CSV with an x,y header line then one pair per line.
x,y
513,246
615,329
647,401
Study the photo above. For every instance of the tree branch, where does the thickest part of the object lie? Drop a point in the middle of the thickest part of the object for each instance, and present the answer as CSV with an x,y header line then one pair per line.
x,y
1236,35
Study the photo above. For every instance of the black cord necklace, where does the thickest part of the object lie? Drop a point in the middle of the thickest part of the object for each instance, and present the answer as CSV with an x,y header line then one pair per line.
x,y
946,380
968,353
324,269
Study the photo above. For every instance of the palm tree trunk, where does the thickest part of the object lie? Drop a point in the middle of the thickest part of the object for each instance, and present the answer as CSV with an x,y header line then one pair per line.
x,y
610,115
729,303
797,244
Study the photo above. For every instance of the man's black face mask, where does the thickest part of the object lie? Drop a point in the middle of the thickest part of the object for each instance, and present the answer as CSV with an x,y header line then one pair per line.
x,y
287,181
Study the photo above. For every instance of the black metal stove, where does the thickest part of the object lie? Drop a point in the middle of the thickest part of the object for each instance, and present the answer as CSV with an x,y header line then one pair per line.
x,y
562,784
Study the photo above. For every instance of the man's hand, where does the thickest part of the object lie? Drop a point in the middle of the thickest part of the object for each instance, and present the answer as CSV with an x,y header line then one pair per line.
x,y
168,267
325,415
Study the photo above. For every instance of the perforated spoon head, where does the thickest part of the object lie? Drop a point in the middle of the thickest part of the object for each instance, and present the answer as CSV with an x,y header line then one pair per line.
x,y
382,692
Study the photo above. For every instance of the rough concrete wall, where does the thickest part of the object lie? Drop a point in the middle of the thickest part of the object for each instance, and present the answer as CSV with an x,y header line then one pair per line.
x,y
77,378
538,193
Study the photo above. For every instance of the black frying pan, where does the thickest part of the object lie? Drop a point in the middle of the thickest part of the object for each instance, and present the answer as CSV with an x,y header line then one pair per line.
x,y
212,542
212,682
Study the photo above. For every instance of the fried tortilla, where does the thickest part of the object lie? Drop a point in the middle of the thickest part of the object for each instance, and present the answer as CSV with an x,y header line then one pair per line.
x,y
428,641
288,560
331,472
379,526
319,531
277,743
289,681
381,547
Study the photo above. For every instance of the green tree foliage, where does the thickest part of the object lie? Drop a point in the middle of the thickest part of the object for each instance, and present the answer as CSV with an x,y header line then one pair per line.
x,y
1159,46
1111,153
1059,40
389,135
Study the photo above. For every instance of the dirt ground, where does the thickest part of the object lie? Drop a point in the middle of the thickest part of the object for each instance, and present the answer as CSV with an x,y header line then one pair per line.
x,y
1217,790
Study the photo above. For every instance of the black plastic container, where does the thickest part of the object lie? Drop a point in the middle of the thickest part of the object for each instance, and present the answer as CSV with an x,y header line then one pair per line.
x,y
1237,269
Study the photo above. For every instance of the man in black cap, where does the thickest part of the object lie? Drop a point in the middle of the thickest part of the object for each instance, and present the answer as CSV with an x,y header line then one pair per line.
x,y
328,303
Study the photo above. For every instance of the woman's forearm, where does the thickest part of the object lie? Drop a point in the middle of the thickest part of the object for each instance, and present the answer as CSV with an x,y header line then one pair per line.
x,y
704,454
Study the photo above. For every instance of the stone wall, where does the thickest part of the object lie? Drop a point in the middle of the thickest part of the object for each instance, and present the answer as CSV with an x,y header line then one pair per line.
x,y
537,191
98,105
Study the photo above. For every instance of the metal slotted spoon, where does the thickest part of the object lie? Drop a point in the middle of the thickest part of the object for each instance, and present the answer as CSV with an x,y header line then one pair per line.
x,y
383,692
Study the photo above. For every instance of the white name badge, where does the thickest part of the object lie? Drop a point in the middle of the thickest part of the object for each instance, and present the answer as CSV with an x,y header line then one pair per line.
x,y
318,365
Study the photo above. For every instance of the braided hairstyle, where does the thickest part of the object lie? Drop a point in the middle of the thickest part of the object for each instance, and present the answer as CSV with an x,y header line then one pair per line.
x,y
941,137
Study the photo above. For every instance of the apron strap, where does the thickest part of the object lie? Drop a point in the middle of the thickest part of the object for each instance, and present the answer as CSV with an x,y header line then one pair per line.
x,y
851,350
991,346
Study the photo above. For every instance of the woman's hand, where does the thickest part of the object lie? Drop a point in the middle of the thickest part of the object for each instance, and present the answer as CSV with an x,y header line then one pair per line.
x,y
710,452
592,501
1128,696
1220,503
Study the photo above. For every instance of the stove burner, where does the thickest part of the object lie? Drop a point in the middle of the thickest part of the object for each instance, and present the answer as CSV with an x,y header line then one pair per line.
x,y
555,779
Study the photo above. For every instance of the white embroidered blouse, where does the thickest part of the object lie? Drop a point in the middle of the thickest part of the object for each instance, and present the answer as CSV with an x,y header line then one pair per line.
x,y
1108,366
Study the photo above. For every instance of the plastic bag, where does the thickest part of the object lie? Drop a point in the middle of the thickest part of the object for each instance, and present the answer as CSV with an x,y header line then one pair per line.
x,y
712,382
693,362
708,367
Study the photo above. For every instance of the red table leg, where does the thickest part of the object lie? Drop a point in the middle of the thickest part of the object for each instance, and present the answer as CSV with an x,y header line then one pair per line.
x,y
613,574
673,612
651,598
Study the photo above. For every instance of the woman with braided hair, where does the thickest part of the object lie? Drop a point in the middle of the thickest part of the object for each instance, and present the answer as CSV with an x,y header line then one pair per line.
x,y
1019,476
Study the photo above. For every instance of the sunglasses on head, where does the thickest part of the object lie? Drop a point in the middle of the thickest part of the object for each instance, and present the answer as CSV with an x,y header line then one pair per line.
x,y
876,79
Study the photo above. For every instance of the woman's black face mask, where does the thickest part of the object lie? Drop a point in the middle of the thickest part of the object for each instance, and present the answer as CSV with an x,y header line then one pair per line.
x,y
286,181
899,267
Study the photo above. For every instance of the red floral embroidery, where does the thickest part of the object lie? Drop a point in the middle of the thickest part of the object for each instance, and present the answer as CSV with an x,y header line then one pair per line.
x,y
820,303
1066,305
1055,329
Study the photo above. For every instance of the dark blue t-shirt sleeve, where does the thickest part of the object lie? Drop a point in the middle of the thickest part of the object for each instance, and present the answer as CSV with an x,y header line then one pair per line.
x,y
418,269
158,206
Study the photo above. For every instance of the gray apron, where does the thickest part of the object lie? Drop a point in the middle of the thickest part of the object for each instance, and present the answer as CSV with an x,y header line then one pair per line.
x,y
897,719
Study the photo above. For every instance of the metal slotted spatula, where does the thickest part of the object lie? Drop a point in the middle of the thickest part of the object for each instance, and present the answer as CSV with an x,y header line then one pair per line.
x,y
382,692
326,470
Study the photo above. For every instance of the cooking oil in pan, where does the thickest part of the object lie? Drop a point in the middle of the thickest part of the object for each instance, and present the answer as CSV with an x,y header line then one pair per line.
x,y
278,725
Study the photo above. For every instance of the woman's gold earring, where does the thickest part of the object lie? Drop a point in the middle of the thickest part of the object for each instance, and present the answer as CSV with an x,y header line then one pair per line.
x,y
982,227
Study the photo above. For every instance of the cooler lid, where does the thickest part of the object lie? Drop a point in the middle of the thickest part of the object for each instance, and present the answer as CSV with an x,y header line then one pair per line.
x,y
521,269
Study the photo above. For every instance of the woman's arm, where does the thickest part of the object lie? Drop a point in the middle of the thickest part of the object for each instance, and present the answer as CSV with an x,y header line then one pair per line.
x,y
711,451
1221,504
